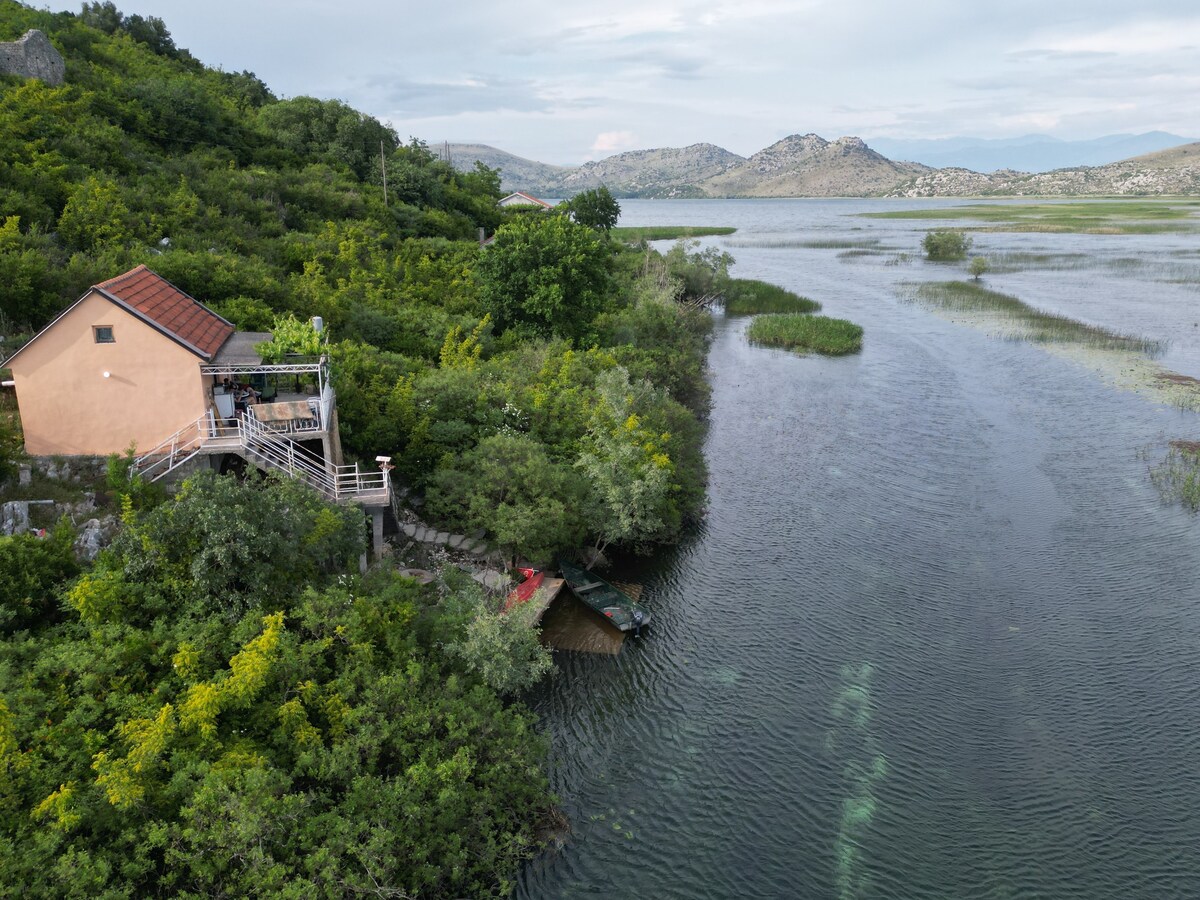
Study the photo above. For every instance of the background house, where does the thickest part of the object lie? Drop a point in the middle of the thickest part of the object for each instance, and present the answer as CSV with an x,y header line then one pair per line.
x,y
519,199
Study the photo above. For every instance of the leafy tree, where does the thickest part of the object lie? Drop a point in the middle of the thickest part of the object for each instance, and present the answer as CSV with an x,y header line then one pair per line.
x,y
979,266
595,208
502,648
547,273
946,245
626,469
30,282
227,548
31,569
290,335
702,273
509,486
328,129
96,217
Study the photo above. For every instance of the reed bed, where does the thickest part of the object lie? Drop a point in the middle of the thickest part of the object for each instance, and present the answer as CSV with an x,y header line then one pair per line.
x,y
820,334
1083,217
1028,323
783,243
748,297
859,252
634,234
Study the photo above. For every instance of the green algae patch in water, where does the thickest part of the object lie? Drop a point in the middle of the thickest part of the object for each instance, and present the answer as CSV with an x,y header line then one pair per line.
x,y
864,765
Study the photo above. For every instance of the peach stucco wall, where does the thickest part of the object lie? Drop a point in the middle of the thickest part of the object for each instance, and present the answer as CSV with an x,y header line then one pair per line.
x,y
154,386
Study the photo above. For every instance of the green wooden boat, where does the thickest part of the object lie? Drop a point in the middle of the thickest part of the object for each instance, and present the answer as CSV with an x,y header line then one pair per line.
x,y
615,605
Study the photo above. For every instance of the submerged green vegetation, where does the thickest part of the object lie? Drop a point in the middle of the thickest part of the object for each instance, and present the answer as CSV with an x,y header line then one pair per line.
x,y
1022,321
1177,477
634,234
747,297
821,334
1087,217
806,243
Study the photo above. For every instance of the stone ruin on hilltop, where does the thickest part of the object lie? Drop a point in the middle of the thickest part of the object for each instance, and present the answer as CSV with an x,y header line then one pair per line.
x,y
33,56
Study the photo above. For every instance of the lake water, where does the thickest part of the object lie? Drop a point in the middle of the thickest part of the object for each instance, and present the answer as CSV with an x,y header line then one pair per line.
x,y
938,635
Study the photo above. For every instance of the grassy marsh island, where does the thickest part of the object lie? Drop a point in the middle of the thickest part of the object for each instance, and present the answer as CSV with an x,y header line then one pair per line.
x,y
634,234
1081,217
798,331
1022,321
748,297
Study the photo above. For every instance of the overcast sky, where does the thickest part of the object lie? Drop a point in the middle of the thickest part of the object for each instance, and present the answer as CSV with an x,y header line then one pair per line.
x,y
565,82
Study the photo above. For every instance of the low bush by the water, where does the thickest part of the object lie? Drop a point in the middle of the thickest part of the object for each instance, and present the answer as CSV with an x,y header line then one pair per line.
x,y
748,297
803,332
946,246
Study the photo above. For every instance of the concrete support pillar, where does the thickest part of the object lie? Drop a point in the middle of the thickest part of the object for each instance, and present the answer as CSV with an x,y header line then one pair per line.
x,y
377,531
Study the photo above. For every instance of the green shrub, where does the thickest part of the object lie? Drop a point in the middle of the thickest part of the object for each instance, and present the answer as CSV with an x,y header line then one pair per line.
x,y
946,246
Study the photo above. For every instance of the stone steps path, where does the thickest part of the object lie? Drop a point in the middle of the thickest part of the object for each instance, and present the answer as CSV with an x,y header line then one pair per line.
x,y
423,534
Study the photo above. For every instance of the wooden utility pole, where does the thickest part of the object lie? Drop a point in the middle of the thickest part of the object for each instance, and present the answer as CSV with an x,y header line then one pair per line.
x,y
383,165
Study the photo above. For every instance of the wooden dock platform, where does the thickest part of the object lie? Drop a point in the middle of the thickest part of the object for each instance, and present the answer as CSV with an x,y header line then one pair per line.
x,y
544,596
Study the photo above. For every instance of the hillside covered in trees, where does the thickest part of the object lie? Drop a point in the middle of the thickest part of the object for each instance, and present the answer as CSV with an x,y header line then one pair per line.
x,y
220,705
555,354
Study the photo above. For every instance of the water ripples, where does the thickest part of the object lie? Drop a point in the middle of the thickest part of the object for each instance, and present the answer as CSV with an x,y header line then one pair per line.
x,y
936,638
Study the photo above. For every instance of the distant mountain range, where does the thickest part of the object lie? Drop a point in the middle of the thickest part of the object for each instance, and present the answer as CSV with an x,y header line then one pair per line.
x,y
810,166
1030,153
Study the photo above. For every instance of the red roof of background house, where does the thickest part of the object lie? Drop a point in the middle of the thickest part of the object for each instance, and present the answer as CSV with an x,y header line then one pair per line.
x,y
180,316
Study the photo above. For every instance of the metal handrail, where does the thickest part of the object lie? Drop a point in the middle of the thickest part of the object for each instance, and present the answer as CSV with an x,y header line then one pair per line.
x,y
277,450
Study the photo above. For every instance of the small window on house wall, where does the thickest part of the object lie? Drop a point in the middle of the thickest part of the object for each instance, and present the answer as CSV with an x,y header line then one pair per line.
x,y
103,334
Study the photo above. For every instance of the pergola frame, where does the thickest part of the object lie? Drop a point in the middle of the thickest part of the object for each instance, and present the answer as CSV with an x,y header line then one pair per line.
x,y
320,367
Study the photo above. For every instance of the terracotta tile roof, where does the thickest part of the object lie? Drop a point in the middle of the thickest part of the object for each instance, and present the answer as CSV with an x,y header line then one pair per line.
x,y
179,316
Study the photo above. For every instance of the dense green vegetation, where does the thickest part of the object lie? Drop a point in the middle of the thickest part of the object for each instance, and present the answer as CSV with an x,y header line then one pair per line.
x,y
215,708
1024,321
1113,216
747,297
820,334
264,207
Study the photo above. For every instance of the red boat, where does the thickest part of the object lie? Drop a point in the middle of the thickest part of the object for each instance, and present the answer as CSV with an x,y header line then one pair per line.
x,y
531,580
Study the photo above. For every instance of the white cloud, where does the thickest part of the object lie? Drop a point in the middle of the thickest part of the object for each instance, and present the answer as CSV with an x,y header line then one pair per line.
x,y
1126,39
609,142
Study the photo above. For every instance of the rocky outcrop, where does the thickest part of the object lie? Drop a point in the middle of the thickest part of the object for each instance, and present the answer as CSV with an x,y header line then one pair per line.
x,y
1138,177
664,172
810,166
33,56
